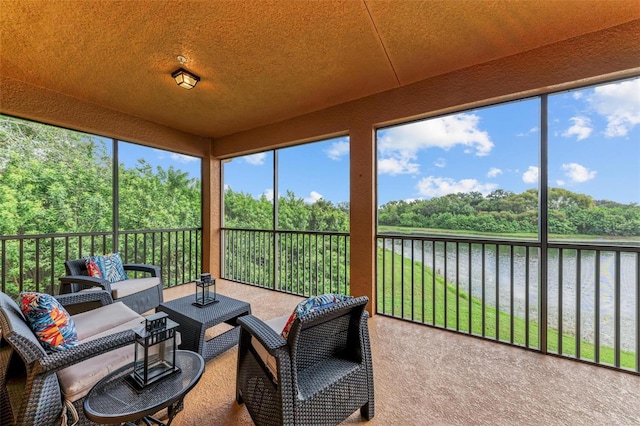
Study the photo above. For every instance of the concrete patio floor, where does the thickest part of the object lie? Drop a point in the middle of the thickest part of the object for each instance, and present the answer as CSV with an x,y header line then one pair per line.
x,y
426,376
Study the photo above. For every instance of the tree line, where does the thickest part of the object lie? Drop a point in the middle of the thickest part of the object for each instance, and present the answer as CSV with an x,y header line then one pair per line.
x,y
508,212
242,210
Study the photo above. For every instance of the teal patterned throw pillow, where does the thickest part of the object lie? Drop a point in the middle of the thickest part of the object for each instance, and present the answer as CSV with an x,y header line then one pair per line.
x,y
312,304
111,267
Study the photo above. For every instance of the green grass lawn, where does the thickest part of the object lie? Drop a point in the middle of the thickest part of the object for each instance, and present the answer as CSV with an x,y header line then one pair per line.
x,y
414,302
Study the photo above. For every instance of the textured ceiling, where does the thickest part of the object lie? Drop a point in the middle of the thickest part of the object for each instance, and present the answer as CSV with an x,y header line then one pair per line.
x,y
266,61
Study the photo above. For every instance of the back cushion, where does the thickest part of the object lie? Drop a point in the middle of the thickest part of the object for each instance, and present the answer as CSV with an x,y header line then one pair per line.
x,y
8,303
76,267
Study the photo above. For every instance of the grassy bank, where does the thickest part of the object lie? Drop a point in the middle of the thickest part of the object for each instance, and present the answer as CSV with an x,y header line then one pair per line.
x,y
414,300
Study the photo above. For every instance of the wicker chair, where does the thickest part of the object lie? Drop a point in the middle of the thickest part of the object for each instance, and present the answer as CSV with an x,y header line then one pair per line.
x,y
30,390
140,294
323,369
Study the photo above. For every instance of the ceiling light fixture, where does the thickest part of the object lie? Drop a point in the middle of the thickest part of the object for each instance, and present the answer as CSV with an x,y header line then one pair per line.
x,y
185,79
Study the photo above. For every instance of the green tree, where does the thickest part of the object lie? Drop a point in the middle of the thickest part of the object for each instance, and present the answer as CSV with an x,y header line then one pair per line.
x,y
293,213
168,198
324,216
241,210
52,180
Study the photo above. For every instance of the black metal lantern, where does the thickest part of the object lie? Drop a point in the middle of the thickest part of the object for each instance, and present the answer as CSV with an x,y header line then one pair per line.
x,y
155,350
205,291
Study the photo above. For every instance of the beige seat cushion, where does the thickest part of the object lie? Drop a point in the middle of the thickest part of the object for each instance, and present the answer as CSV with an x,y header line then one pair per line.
x,y
277,324
105,318
125,288
77,380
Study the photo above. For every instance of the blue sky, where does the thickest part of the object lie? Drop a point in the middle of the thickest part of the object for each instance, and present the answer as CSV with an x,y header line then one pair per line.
x,y
594,149
312,171
129,153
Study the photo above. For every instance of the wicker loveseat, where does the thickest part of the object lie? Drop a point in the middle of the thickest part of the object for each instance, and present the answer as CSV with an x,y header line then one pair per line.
x,y
320,374
140,294
35,383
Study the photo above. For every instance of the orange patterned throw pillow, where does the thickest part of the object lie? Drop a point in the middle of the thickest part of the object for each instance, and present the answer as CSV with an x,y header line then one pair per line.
x,y
92,268
49,320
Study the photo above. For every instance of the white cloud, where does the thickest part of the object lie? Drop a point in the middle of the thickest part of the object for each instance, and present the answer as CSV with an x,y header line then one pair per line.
x,y
227,187
436,187
440,162
619,103
581,128
560,182
268,193
181,158
445,132
397,166
313,197
338,150
578,173
578,95
255,159
531,175
493,172
399,145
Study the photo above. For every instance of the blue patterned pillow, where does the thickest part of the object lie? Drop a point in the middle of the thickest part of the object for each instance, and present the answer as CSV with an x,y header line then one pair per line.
x,y
49,320
110,266
312,304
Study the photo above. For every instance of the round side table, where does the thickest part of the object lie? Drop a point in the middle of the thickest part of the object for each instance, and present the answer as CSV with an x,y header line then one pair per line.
x,y
114,400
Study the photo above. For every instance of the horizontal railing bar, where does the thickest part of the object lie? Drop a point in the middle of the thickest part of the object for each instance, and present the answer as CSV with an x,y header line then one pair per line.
x,y
460,239
89,234
285,231
594,247
149,231
515,242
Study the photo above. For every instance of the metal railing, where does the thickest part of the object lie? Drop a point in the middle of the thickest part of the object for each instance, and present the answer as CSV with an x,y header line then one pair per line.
x,y
297,262
35,262
493,289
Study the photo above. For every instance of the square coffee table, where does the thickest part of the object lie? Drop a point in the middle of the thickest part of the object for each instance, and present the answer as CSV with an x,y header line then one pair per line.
x,y
194,322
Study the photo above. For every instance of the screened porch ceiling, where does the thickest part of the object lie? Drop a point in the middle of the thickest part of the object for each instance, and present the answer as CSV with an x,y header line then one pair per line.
x,y
262,62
